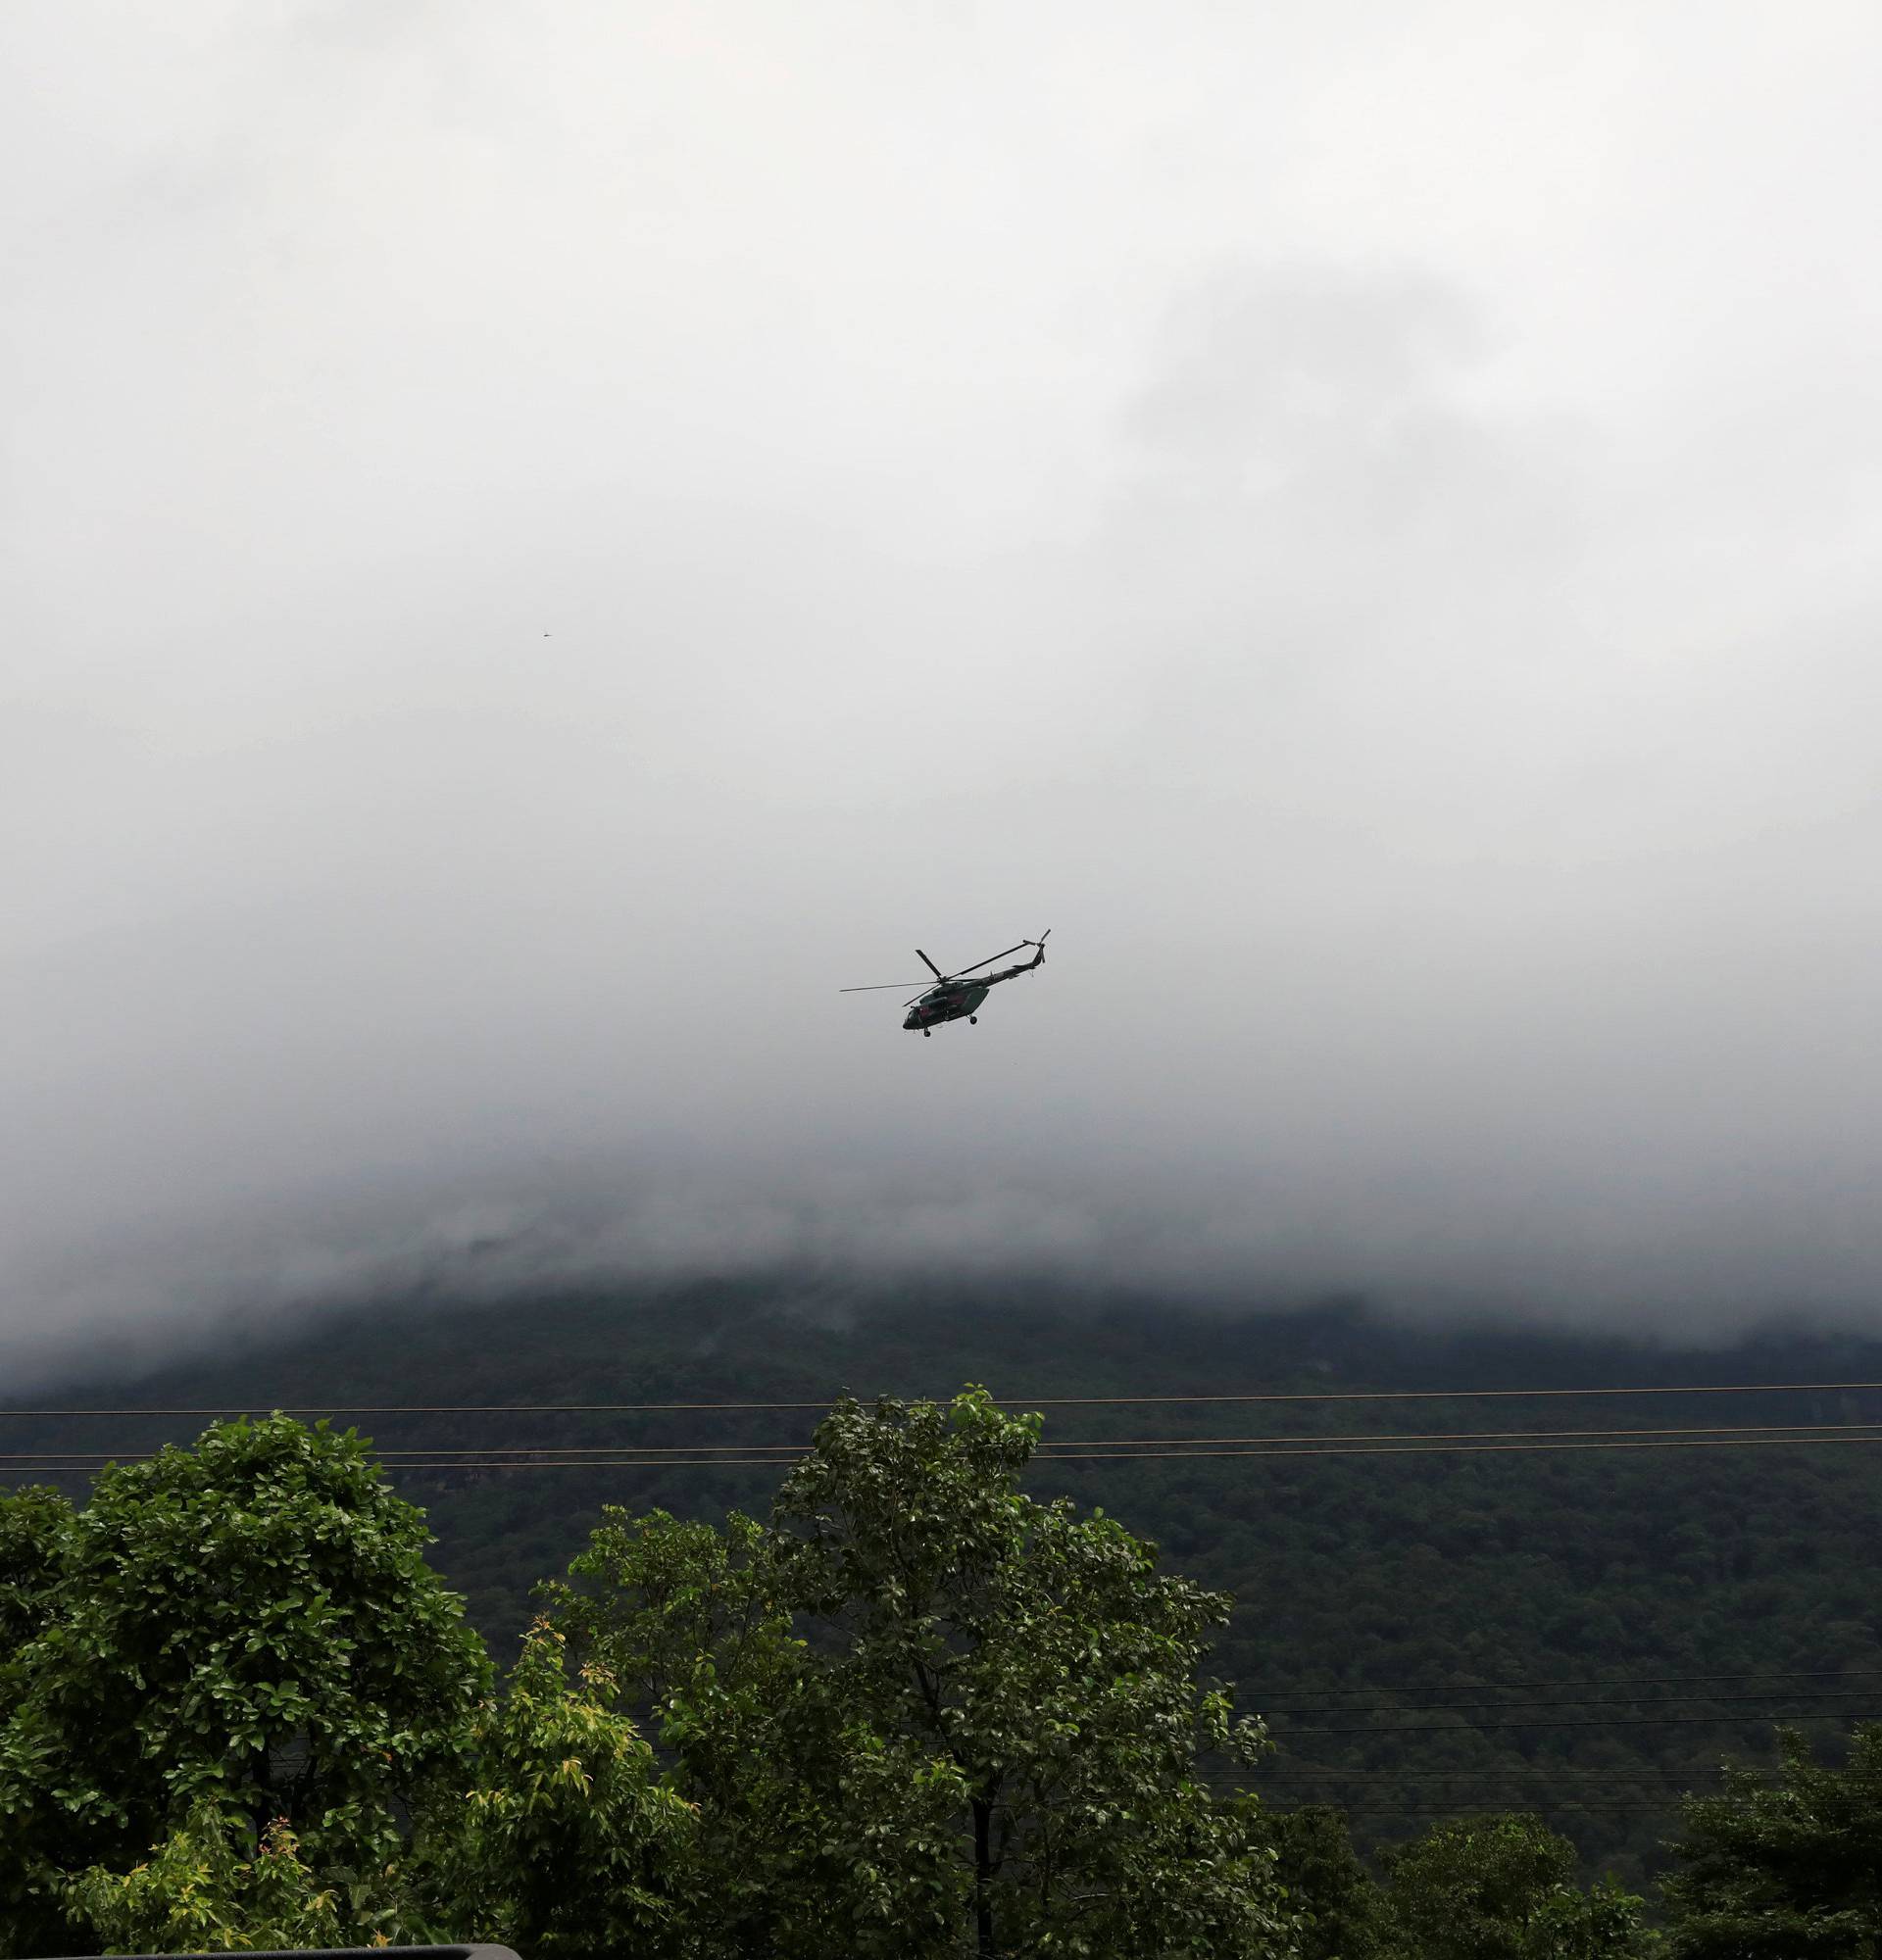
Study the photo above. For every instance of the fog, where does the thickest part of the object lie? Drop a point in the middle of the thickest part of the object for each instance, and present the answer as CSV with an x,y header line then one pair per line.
x,y
541,543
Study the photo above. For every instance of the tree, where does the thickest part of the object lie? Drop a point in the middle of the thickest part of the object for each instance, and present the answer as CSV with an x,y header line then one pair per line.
x,y
1791,1868
1039,1663
687,1619
1501,1887
989,1730
33,1526
249,1624
568,1843
1345,1914
198,1894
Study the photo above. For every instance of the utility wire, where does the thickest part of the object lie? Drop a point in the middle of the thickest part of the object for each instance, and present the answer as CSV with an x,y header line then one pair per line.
x,y
1320,1773
1643,1680
1527,1803
1587,1701
1536,1803
541,1460
1464,1436
1009,1401
1222,1786
1555,1721
1097,1446
1776,1432
1708,1441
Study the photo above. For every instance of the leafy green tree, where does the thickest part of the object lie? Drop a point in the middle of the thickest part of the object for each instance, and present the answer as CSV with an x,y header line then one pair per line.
x,y
1042,1665
1791,1868
568,1843
689,1621
807,1819
984,1730
1343,1912
252,1625
1502,1888
1603,1923
33,1526
198,1894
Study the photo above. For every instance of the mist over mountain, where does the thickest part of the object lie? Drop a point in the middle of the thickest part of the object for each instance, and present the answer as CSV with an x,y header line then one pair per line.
x,y
839,1248
537,551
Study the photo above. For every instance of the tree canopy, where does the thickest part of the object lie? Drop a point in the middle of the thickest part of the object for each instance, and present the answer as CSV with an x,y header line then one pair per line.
x,y
250,1626
973,1720
1785,1869
1502,1888
911,1711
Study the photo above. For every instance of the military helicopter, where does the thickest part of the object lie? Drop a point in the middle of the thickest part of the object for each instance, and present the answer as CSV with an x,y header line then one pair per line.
x,y
953,997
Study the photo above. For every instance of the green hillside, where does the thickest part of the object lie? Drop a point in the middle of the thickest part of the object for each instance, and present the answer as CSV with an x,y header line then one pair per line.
x,y
1655,1609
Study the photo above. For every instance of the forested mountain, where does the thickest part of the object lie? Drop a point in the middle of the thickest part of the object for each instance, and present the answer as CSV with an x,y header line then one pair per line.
x,y
1579,1632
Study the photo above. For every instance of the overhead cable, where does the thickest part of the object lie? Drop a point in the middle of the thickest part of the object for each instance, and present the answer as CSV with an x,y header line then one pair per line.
x,y
1585,1701
1600,1680
1095,1446
1744,1720
680,1460
1008,1401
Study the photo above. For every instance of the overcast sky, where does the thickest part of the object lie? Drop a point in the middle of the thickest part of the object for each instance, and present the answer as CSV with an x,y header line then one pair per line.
x,y
541,541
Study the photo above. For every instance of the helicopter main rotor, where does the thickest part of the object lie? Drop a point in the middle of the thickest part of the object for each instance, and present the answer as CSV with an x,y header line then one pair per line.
x,y
947,979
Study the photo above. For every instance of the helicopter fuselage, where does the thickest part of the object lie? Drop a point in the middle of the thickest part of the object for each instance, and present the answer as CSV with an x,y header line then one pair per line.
x,y
945,1004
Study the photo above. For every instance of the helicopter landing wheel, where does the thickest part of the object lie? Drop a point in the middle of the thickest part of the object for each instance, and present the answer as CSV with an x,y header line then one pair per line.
x,y
974,1021
925,1033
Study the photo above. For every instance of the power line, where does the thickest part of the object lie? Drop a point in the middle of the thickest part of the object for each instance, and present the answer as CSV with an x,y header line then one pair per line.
x,y
1320,1773
63,1466
1774,1432
1529,1799
1456,1450
1096,1447
1744,1720
1643,1680
1584,1701
682,1460
1543,1803
1455,1802
1009,1402
1125,1453
1469,1436
480,1456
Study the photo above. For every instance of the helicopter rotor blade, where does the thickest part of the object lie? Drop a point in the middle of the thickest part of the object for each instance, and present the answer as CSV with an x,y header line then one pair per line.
x,y
930,965
989,959
882,987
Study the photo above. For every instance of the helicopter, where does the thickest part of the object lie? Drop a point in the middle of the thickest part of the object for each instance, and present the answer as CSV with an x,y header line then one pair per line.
x,y
955,996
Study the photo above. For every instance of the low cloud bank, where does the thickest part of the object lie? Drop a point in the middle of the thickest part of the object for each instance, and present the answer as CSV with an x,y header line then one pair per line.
x,y
149,1299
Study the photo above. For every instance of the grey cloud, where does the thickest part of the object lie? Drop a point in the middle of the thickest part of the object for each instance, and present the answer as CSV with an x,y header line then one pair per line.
x,y
542,554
